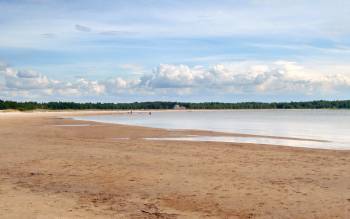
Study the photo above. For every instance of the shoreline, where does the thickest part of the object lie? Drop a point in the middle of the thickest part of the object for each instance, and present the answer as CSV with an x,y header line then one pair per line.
x,y
70,114
212,133
236,137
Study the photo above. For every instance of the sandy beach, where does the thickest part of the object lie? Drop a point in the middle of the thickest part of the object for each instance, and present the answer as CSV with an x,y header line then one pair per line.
x,y
52,167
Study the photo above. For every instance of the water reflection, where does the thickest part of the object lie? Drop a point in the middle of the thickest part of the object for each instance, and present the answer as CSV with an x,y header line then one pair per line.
x,y
324,125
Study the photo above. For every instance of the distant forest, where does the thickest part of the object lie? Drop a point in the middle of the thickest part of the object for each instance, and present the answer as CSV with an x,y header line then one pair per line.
x,y
320,104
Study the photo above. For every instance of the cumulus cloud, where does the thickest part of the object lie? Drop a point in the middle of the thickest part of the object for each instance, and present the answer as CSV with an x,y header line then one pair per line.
x,y
24,80
174,76
281,77
245,77
28,82
119,85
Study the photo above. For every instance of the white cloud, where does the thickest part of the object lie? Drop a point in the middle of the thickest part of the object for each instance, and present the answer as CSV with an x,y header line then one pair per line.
x,y
24,80
30,83
89,86
173,76
248,78
119,85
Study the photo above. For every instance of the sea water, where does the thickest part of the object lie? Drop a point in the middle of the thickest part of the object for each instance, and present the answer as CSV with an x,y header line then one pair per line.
x,y
328,129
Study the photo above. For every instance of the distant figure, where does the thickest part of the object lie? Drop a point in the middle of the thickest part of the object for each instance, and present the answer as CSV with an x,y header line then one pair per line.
x,y
130,111
150,113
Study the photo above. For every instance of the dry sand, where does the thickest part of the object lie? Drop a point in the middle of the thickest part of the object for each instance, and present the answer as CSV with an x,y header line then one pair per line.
x,y
49,171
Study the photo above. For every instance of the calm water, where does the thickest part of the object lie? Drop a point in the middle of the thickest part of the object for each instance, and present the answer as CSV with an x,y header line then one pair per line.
x,y
326,125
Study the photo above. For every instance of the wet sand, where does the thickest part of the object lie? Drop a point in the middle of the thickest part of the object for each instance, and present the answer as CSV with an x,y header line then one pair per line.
x,y
48,170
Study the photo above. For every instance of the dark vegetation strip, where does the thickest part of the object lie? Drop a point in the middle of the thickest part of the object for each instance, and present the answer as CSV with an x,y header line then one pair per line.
x,y
319,104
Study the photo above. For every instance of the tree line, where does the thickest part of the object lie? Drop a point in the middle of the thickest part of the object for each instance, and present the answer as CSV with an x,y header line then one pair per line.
x,y
319,104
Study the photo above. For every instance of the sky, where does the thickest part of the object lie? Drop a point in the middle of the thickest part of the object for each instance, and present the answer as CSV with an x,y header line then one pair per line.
x,y
183,50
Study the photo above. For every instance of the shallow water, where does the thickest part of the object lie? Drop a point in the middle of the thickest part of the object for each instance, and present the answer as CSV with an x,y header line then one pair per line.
x,y
325,125
254,140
